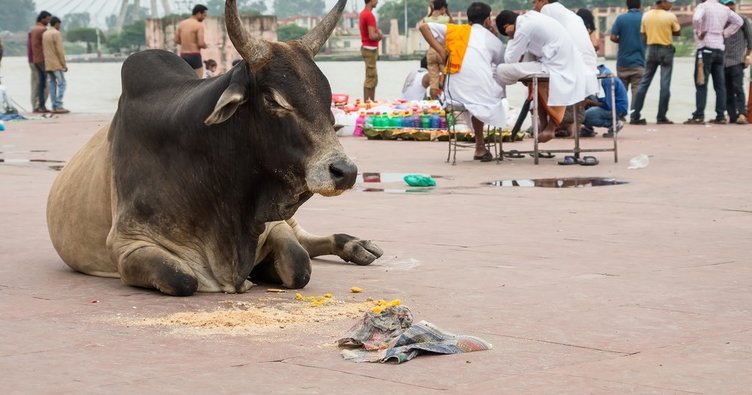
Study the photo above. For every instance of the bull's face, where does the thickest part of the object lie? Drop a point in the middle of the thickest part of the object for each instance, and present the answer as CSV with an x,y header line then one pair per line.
x,y
287,93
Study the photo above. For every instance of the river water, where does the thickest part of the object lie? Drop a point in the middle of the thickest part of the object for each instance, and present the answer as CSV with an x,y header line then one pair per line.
x,y
95,87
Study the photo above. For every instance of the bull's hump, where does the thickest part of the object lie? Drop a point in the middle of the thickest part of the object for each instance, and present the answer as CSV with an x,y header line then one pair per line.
x,y
153,69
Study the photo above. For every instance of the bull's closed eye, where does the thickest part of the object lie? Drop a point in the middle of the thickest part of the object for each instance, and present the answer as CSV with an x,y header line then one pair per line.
x,y
271,103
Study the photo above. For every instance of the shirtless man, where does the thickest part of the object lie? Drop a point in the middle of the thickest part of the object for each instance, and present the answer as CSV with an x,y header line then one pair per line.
x,y
190,37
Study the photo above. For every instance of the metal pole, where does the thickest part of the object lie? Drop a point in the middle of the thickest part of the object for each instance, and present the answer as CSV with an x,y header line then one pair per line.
x,y
613,116
536,120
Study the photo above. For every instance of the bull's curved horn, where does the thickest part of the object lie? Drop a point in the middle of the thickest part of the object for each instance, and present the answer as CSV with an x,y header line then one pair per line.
x,y
316,38
250,48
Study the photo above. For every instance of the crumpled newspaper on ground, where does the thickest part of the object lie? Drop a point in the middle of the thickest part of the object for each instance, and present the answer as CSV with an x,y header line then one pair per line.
x,y
391,336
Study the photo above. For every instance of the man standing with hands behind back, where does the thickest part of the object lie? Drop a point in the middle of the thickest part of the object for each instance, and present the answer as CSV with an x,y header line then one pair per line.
x,y
713,24
370,35
190,36
54,63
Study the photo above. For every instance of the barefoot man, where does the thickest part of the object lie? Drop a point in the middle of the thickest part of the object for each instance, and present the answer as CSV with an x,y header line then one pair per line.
x,y
190,37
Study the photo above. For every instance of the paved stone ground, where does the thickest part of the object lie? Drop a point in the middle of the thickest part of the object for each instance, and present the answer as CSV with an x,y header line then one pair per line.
x,y
637,288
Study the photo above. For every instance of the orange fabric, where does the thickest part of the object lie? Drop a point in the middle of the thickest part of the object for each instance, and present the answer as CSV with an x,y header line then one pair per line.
x,y
457,38
555,113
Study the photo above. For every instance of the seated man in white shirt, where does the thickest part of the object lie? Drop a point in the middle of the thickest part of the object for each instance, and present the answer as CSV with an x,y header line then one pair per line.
x,y
473,51
540,36
417,82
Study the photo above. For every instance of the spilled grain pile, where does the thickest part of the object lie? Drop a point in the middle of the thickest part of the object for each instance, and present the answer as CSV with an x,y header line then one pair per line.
x,y
263,317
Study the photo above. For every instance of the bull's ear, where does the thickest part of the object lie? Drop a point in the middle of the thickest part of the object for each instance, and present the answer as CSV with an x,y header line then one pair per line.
x,y
227,104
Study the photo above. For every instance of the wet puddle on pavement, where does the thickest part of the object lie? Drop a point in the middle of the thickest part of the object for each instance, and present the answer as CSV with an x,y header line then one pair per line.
x,y
34,151
397,190
569,182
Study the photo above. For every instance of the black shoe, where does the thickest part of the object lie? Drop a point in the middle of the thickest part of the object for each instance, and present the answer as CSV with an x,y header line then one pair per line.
x,y
694,121
587,132
563,133
665,121
635,121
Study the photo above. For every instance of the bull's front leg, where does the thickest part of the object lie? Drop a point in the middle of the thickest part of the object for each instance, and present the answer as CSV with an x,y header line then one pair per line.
x,y
153,267
281,258
349,248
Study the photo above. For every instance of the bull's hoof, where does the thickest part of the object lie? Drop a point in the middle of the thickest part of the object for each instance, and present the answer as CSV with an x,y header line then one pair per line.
x,y
357,251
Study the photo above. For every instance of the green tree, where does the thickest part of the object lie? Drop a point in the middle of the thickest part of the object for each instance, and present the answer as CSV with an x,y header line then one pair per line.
x,y
290,32
132,38
87,35
77,20
416,10
17,15
286,8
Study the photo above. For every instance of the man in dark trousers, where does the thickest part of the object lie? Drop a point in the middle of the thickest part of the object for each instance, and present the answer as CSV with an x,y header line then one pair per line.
x,y
36,60
630,58
738,49
713,24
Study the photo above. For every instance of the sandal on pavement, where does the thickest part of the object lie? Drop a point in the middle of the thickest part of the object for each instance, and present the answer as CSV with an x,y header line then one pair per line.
x,y
544,155
569,160
513,154
589,161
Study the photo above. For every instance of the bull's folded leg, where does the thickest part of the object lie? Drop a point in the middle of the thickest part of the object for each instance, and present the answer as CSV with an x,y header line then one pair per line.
x,y
287,262
349,248
153,267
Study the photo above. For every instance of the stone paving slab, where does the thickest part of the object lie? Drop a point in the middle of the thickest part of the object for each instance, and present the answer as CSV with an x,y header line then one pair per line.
x,y
635,288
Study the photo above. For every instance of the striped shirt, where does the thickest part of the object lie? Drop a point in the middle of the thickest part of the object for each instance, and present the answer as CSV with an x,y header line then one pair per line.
x,y
717,21
738,44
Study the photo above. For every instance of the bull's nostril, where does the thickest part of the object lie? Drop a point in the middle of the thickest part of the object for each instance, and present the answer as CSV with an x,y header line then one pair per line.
x,y
343,174
336,171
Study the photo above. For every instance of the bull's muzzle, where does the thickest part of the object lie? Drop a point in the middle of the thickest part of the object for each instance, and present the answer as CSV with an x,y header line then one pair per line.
x,y
343,173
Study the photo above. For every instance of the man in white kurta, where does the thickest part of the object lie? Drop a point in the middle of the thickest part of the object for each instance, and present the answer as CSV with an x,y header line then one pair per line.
x,y
574,26
474,85
541,36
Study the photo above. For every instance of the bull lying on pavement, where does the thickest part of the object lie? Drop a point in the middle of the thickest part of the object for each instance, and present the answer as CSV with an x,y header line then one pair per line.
x,y
194,184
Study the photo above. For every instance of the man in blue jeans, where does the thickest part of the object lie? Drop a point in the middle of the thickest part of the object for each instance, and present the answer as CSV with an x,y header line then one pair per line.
x,y
599,115
712,23
658,28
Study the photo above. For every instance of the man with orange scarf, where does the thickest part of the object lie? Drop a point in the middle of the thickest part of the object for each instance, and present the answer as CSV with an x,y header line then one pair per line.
x,y
473,52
